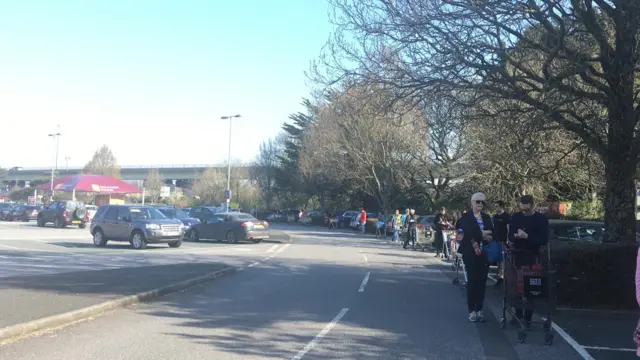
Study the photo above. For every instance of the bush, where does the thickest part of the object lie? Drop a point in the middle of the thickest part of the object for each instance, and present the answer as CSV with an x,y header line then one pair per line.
x,y
595,275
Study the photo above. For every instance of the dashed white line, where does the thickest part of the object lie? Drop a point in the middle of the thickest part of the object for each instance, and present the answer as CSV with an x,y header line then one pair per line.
x,y
321,335
254,264
366,261
273,248
364,282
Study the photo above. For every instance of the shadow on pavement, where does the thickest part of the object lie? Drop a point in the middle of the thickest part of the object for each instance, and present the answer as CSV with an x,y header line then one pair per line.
x,y
26,298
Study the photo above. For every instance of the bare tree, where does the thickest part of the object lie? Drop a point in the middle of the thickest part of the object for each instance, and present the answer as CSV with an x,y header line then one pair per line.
x,y
574,62
359,139
153,184
103,162
211,186
264,171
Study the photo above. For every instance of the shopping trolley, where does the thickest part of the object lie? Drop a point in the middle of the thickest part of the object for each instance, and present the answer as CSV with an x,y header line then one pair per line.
x,y
527,285
424,239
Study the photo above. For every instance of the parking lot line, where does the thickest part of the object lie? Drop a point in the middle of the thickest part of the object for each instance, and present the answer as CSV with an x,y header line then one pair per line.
x,y
608,348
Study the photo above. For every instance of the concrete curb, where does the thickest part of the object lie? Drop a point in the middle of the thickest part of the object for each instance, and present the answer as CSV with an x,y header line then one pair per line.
x,y
64,319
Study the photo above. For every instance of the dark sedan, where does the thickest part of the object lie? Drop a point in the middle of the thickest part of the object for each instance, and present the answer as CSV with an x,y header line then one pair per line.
x,y
231,227
6,209
179,214
24,213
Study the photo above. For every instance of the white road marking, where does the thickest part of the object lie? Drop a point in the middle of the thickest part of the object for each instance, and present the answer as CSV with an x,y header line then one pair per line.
x,y
27,249
571,341
366,261
254,264
273,248
321,335
283,248
608,348
364,282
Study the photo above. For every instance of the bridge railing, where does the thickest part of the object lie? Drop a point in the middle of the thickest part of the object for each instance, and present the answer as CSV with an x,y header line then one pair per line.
x,y
133,167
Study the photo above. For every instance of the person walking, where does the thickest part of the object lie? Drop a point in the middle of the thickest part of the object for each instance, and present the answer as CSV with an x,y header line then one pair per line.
x,y
439,225
396,222
477,229
501,221
363,220
528,232
636,334
412,227
404,225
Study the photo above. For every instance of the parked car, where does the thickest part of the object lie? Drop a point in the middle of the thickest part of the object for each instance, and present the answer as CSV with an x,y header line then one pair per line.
x,y
91,211
136,224
5,209
355,220
308,215
231,227
178,214
345,217
23,213
63,213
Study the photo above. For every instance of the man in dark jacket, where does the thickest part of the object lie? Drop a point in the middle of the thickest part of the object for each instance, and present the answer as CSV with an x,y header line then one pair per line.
x,y
501,221
477,229
528,232
412,224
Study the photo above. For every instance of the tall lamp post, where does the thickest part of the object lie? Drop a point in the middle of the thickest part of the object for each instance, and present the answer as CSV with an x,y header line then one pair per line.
x,y
228,192
66,164
56,138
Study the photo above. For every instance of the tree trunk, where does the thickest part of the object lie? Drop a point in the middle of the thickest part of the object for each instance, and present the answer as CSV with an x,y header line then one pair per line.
x,y
620,188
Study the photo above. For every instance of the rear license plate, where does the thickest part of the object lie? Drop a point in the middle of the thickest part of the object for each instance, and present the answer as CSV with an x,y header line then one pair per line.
x,y
75,222
259,227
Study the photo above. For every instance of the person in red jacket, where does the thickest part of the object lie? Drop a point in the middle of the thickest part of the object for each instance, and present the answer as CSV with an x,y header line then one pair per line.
x,y
363,219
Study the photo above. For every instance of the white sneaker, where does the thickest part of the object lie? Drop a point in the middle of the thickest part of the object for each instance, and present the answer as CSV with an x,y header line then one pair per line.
x,y
479,316
473,316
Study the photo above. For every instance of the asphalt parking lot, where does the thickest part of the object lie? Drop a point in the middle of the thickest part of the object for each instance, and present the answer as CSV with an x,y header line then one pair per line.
x,y
26,249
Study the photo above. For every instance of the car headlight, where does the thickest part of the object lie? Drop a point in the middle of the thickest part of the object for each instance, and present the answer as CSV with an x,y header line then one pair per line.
x,y
153,226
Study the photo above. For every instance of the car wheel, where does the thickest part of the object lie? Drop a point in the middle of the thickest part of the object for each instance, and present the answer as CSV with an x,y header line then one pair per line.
x,y
40,222
98,238
193,235
231,237
175,244
82,226
56,223
138,241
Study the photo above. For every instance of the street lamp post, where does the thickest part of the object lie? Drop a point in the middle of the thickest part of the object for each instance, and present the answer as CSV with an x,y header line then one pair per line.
x,y
56,137
66,164
228,193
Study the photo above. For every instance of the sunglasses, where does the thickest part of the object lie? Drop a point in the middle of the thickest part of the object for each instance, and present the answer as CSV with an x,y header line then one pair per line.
x,y
480,202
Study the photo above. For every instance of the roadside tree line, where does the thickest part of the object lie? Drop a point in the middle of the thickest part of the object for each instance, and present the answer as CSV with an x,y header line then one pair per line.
x,y
425,102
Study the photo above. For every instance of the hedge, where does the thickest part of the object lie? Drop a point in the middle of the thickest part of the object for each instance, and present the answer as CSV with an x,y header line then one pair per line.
x,y
590,275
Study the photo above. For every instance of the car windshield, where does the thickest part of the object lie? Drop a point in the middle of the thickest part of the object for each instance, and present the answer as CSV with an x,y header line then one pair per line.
x,y
91,207
146,213
174,213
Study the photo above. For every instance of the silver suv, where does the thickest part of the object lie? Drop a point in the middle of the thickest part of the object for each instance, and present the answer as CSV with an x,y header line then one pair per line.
x,y
139,225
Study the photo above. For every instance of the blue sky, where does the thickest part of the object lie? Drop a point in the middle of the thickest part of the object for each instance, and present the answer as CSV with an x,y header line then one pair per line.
x,y
151,78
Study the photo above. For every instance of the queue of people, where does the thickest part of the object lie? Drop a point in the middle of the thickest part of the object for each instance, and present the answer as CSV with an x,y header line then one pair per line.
x,y
525,230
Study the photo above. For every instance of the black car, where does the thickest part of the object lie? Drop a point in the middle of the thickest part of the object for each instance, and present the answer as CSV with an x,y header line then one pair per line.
x,y
24,213
179,214
231,227
5,209
63,213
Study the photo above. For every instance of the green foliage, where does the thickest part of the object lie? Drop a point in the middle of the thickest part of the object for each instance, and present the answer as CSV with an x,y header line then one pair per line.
x,y
587,210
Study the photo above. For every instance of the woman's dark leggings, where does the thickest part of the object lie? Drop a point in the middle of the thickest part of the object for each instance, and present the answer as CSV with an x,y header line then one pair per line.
x,y
477,270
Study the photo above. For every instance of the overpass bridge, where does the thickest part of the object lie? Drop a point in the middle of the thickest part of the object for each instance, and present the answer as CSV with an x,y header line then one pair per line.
x,y
136,172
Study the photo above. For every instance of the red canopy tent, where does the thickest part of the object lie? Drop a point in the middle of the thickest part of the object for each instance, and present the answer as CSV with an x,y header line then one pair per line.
x,y
91,183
